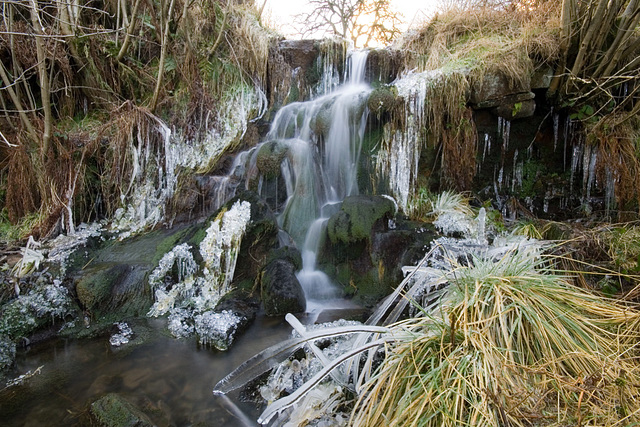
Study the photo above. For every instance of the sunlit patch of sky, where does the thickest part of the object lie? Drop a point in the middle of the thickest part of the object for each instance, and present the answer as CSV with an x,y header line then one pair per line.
x,y
281,13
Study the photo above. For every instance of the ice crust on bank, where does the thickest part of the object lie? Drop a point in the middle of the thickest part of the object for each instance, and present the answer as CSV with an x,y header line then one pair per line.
x,y
191,297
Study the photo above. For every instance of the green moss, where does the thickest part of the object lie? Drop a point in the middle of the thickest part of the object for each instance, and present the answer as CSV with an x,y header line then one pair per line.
x,y
113,410
357,218
270,157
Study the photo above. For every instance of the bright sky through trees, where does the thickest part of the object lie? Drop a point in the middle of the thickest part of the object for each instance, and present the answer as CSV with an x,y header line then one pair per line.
x,y
282,12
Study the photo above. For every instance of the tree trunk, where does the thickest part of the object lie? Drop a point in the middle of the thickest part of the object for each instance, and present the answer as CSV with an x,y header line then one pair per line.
x,y
43,75
130,29
163,54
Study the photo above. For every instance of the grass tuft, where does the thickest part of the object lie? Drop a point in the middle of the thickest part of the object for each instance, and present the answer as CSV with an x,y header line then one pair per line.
x,y
510,342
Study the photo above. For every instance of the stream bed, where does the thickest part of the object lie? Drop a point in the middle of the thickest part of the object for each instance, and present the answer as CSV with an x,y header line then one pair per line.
x,y
170,380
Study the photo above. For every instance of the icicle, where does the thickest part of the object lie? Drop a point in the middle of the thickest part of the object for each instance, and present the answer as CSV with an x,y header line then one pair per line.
x,y
556,124
610,190
516,180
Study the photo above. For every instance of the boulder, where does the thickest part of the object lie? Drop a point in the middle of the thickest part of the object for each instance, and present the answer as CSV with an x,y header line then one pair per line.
x,y
358,217
281,291
269,158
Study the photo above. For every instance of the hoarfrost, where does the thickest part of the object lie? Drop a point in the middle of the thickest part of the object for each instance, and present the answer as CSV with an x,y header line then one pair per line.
x,y
7,352
217,329
22,378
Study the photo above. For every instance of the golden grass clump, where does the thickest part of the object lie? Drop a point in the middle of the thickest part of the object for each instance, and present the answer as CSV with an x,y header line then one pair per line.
x,y
482,40
509,343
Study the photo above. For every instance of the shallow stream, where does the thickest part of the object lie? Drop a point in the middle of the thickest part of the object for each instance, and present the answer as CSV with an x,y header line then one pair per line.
x,y
171,380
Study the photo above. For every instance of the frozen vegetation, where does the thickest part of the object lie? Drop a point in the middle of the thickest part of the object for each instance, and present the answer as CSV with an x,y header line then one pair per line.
x,y
190,295
156,166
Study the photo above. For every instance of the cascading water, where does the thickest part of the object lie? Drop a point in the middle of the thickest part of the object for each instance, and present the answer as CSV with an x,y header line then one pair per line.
x,y
314,148
324,137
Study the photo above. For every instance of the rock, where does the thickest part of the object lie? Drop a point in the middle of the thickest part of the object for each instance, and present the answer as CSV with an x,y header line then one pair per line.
x,y
383,65
269,158
94,287
542,77
118,289
7,353
383,99
244,308
299,53
113,410
281,291
496,86
358,217
516,110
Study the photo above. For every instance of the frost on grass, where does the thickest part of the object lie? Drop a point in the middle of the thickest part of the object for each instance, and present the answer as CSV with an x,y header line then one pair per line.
x,y
324,405
190,296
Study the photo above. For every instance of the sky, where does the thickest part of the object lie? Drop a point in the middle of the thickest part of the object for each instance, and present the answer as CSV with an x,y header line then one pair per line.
x,y
281,12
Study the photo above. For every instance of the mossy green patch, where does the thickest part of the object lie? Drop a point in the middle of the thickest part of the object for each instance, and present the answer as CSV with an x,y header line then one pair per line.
x,y
113,410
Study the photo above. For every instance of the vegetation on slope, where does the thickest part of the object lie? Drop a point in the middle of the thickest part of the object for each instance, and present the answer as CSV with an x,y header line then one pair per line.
x,y
592,46
81,82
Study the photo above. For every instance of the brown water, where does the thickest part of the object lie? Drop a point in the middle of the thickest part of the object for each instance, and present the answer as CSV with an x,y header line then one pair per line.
x,y
170,380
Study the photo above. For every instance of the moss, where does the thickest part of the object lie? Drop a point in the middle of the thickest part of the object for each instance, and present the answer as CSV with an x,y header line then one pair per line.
x,y
113,410
383,99
357,217
95,285
269,158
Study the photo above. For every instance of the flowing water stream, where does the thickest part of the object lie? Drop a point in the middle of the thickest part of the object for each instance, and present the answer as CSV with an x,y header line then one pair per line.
x,y
171,380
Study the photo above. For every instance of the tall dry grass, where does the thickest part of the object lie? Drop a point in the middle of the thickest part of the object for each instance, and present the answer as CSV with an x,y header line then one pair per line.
x,y
509,343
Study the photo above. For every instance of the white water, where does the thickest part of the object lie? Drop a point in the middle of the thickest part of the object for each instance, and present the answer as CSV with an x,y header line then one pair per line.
x,y
322,170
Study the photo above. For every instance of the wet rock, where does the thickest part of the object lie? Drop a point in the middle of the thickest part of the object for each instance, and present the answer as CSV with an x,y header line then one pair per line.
x,y
114,410
383,65
244,308
95,286
31,312
260,238
358,217
118,290
281,291
299,53
269,158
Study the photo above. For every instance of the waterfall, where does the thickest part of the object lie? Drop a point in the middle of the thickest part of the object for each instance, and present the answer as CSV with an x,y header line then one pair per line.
x,y
306,166
325,137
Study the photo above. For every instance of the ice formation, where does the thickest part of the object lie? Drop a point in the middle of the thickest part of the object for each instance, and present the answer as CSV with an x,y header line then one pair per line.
x,y
398,158
123,335
44,302
191,297
155,175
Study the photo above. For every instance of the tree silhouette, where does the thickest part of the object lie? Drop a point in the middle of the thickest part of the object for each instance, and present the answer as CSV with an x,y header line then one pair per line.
x,y
361,21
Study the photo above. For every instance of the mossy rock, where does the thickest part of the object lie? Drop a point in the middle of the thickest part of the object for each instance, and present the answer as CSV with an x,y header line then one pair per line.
x,y
260,237
119,290
269,158
383,99
288,253
112,410
94,287
358,217
7,353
